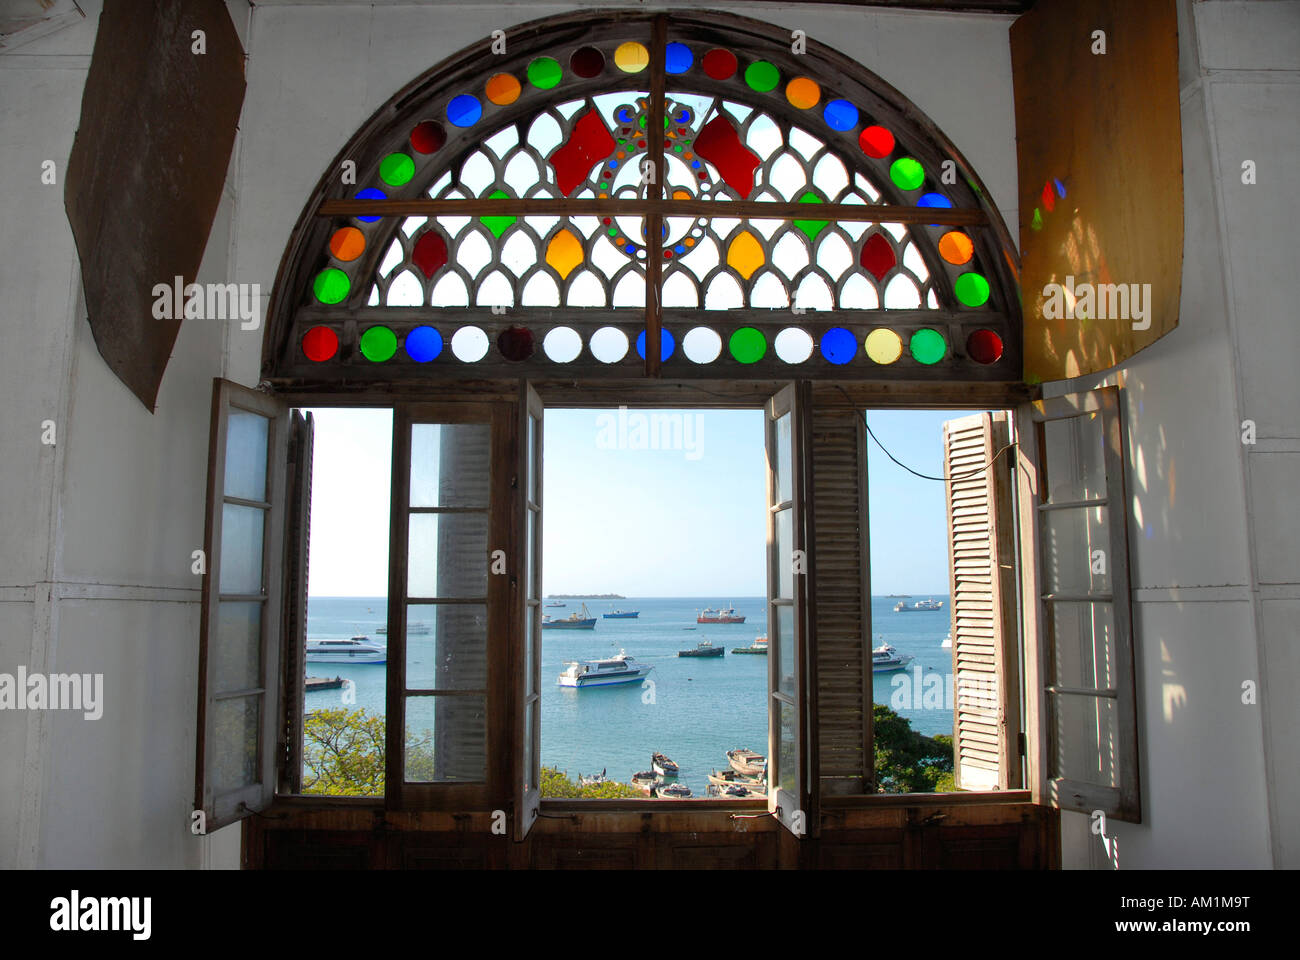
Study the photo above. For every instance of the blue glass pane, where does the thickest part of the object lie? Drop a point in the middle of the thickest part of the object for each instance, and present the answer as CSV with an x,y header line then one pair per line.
x,y
423,344
678,58
370,193
933,200
839,345
841,115
464,110
666,345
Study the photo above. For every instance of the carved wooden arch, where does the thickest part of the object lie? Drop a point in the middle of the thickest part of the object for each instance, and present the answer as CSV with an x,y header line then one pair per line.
x,y
515,335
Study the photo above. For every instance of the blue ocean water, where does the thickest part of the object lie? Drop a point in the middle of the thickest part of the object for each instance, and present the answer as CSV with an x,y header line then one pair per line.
x,y
701,707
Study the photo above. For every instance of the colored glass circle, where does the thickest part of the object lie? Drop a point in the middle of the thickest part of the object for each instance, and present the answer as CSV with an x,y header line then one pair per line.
x,y
544,73
840,115
719,64
562,344
933,200
984,346
378,344
803,93
331,285
793,345
423,344
503,89
1060,188
608,344
838,345
469,344
927,346
516,343
587,62
762,76
428,136
464,111
956,247
631,57
702,345
876,142
320,344
347,244
907,173
667,344
678,58
370,193
396,169
972,289
883,346
747,345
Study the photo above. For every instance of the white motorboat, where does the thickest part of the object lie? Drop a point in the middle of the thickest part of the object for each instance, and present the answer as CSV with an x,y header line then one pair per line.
x,y
885,659
602,673
947,641
356,650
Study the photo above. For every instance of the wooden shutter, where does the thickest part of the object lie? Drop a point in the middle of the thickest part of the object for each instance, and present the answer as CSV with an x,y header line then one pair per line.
x,y
240,629
528,605
981,553
302,433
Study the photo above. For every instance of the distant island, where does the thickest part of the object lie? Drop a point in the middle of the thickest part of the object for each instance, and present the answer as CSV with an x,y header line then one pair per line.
x,y
585,596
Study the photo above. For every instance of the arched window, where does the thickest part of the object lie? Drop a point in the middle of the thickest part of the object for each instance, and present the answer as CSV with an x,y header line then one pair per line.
x,y
517,212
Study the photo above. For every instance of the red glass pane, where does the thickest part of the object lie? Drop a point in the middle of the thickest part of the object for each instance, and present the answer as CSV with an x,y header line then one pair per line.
x,y
878,256
876,142
516,343
588,144
428,137
320,344
1049,197
587,62
719,144
984,346
430,253
720,64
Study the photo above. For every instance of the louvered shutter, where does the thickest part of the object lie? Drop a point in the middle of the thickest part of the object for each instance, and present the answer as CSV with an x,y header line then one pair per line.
x,y
985,662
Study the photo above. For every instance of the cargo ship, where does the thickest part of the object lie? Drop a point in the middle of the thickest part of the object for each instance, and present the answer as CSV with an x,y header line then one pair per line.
x,y
729,615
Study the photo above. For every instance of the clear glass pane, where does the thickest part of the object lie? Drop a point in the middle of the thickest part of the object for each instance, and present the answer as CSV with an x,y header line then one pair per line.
x,y
446,739
785,554
530,650
785,647
241,549
450,464
237,648
532,458
1073,450
1085,739
530,755
246,445
448,555
448,650
1076,551
787,747
232,744
531,556
1083,644
784,455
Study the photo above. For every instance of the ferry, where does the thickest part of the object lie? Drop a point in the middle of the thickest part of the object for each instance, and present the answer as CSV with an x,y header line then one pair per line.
x,y
356,650
602,673
885,659
622,615
574,621
901,607
729,615
704,648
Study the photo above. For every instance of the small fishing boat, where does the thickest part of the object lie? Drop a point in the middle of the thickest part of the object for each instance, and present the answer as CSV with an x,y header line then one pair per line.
x,y
356,650
646,781
748,762
885,659
622,614
729,615
674,791
594,780
704,648
663,766
602,673
574,621
734,791
730,778
555,604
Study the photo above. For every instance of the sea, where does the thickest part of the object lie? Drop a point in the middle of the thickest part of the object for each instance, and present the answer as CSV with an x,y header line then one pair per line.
x,y
700,707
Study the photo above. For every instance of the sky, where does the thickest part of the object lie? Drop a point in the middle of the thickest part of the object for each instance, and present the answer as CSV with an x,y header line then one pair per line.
x,y
644,503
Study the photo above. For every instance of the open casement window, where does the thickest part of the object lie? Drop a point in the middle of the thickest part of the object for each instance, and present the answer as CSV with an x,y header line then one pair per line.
x,y
790,659
239,638
447,708
1082,699
529,596
985,648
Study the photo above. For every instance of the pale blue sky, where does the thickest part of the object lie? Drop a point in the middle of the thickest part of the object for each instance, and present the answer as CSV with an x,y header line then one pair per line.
x,y
622,517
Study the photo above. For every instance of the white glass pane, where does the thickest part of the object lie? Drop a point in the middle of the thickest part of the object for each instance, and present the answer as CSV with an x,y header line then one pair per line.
x,y
1085,738
246,446
448,555
446,739
450,464
448,651
241,549
232,744
236,651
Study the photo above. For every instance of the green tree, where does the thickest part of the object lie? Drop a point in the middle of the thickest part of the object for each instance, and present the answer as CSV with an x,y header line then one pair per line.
x,y
343,753
555,785
907,761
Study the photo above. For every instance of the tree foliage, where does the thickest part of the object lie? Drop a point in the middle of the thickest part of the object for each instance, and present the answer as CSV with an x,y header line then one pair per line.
x,y
555,785
907,761
343,753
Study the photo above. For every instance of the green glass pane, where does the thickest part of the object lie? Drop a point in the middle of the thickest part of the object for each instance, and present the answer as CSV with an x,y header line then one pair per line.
x,y
972,289
907,173
378,344
396,169
331,285
544,72
762,76
748,345
928,346
498,225
810,228
1037,222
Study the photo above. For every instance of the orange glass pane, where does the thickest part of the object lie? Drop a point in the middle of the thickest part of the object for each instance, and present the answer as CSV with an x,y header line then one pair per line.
x,y
502,89
564,253
745,255
803,93
347,243
956,247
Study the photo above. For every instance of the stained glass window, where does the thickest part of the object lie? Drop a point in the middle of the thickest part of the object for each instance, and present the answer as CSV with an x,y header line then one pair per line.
x,y
769,213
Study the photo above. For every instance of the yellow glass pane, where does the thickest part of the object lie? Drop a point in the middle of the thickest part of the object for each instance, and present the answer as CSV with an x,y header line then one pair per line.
x,y
745,255
884,346
631,57
564,253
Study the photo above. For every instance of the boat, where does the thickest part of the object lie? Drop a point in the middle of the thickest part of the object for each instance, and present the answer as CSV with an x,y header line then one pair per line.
x,y
730,778
646,781
574,621
735,791
704,648
729,615
885,659
356,650
674,791
555,604
747,762
622,615
663,766
947,641
602,673
758,648
412,630
930,604
594,780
